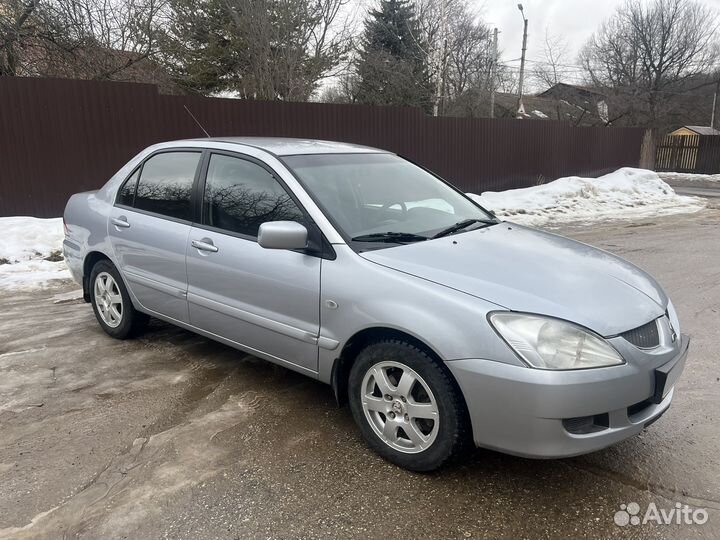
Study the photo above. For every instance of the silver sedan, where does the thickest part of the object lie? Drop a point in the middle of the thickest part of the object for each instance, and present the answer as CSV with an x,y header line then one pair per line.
x,y
437,323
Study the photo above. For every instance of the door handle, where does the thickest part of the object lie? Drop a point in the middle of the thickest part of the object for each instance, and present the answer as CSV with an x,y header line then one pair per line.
x,y
120,222
204,246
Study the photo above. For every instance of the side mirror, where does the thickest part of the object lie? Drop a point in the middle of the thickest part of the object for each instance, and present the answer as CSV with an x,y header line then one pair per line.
x,y
282,235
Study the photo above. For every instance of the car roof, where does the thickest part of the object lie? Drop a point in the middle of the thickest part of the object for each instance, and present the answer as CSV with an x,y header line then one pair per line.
x,y
285,146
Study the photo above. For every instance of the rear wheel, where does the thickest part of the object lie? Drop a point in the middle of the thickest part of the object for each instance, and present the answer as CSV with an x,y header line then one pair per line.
x,y
406,405
111,303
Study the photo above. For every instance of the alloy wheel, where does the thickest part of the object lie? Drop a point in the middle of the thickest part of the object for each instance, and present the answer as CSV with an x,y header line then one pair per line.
x,y
400,407
108,299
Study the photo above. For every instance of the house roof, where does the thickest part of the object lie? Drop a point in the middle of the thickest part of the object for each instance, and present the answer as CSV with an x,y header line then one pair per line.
x,y
703,130
596,92
538,108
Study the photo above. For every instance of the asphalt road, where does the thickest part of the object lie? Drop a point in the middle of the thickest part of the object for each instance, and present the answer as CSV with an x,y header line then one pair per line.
x,y
697,187
174,436
706,192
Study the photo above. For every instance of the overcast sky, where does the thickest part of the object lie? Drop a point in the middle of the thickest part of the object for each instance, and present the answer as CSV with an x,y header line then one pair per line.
x,y
574,20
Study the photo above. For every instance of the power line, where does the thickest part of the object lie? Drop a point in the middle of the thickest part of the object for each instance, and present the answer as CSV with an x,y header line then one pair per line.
x,y
546,62
581,79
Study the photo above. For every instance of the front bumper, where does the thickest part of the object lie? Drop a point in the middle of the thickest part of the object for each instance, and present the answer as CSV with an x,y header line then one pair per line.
x,y
520,410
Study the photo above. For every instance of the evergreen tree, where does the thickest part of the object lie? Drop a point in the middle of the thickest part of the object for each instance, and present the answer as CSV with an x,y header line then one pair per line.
x,y
201,46
260,49
392,63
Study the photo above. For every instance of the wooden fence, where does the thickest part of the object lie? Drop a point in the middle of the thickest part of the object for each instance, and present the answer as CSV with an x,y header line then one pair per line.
x,y
691,154
58,137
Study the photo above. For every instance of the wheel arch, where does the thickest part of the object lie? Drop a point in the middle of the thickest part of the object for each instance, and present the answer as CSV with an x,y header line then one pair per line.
x,y
91,259
361,339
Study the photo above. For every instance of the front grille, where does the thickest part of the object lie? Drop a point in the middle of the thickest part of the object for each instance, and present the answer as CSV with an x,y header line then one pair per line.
x,y
645,336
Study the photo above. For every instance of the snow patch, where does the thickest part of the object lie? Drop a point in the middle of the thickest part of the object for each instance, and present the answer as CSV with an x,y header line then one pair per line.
x,y
540,114
26,244
624,194
66,297
689,177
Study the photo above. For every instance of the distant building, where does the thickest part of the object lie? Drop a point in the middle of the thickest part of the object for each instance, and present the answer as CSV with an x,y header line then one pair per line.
x,y
475,103
590,104
689,104
690,131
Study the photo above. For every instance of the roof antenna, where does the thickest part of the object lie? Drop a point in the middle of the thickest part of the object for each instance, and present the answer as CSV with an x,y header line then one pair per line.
x,y
196,121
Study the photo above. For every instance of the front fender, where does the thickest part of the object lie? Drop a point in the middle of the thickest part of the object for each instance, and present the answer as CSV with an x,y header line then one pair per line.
x,y
357,294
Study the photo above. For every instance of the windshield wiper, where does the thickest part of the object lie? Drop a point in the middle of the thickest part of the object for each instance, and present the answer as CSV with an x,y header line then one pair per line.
x,y
394,237
464,224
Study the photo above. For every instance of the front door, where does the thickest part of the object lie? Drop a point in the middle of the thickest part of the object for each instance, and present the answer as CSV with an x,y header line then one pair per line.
x,y
266,300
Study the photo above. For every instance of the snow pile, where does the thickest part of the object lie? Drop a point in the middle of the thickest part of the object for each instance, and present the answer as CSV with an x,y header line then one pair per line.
x,y
30,252
624,194
689,177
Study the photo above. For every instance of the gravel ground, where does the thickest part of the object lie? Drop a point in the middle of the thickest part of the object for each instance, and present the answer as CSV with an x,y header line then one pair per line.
x,y
174,436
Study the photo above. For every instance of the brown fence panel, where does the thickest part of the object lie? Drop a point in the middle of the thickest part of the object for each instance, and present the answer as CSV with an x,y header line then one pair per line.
x,y
692,154
678,154
58,137
708,161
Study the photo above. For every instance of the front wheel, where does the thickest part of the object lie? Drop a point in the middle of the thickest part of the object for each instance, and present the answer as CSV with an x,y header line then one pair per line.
x,y
406,405
111,303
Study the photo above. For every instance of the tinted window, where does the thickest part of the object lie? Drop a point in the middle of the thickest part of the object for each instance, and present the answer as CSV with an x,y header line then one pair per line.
x,y
166,183
240,196
126,195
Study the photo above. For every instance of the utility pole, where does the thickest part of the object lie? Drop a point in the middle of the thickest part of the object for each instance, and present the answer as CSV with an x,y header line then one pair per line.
x,y
493,71
521,107
442,53
715,95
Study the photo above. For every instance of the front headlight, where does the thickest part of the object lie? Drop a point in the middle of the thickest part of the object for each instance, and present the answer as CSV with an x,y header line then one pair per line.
x,y
548,343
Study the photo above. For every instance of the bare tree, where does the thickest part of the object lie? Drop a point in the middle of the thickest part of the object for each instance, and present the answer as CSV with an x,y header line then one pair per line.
x,y
20,23
506,79
110,36
95,39
457,45
469,59
550,71
647,50
343,90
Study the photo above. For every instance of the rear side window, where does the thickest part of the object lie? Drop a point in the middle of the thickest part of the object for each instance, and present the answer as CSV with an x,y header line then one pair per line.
x,y
126,195
166,183
241,195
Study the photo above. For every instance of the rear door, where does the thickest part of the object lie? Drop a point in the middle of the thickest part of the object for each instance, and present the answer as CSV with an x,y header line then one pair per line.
x,y
149,229
264,299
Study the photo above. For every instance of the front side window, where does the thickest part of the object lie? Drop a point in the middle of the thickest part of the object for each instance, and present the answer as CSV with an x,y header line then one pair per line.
x,y
241,195
382,197
166,183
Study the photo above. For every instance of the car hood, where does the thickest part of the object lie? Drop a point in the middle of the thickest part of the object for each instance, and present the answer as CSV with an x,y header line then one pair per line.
x,y
524,269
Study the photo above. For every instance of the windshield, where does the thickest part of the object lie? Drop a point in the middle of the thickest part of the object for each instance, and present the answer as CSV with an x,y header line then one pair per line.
x,y
382,197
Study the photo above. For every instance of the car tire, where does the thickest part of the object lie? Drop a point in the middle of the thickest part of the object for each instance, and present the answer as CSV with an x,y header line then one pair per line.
x,y
418,423
111,303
